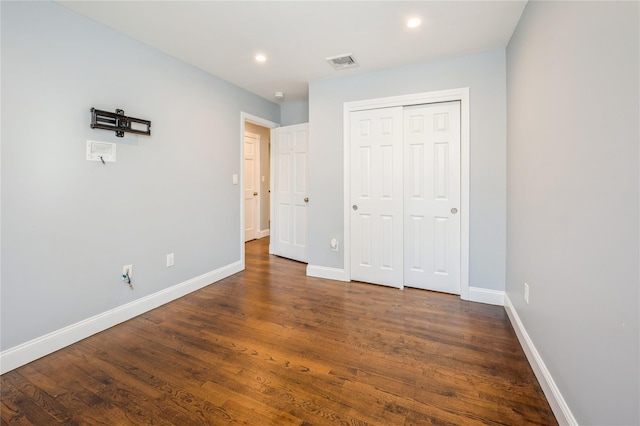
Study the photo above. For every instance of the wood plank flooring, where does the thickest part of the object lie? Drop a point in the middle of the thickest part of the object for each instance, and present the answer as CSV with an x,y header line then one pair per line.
x,y
270,346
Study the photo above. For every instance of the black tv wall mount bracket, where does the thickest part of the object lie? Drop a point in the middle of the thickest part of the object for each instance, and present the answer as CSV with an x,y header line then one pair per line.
x,y
119,122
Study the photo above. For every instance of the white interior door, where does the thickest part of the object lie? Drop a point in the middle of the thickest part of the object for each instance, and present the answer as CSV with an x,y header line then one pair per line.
x,y
432,197
289,224
376,195
251,185
405,193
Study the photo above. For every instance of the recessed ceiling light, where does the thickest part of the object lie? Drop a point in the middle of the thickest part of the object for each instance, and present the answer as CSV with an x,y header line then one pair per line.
x,y
414,22
261,58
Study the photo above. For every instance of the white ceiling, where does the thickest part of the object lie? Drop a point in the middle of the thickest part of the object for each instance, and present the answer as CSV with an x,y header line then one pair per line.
x,y
223,37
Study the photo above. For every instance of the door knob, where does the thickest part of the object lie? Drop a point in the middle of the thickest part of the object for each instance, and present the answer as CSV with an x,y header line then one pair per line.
x,y
454,210
355,207
306,199
255,193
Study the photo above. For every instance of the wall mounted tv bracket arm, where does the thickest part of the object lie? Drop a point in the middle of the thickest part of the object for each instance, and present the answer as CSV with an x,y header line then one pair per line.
x,y
119,122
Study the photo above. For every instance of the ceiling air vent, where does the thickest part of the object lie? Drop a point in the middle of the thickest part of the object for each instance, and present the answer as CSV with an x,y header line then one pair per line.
x,y
341,62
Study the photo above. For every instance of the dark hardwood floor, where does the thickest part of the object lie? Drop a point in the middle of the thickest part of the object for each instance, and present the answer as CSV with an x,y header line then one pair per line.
x,y
270,346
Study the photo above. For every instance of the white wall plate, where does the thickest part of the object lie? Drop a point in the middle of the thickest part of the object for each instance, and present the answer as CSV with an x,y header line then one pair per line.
x,y
101,151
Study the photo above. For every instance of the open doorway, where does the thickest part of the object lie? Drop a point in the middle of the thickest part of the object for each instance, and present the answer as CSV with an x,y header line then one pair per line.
x,y
256,181
260,132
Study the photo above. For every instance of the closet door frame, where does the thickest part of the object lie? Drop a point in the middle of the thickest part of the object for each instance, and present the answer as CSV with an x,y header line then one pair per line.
x,y
462,95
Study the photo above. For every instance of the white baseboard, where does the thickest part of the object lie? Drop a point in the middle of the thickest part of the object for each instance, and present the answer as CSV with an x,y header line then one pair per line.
x,y
263,233
556,401
49,343
485,295
326,272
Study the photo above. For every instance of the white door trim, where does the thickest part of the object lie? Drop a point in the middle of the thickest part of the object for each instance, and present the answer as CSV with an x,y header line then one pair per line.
x,y
462,95
244,116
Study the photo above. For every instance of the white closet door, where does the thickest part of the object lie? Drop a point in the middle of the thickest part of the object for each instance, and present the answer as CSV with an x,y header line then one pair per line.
x,y
376,196
289,224
432,197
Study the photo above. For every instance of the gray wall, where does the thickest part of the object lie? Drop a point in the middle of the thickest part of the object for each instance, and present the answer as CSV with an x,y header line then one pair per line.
x,y
484,74
296,112
573,210
265,140
69,225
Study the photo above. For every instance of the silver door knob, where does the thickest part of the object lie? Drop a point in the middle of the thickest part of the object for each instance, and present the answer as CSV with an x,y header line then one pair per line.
x,y
355,207
454,210
255,193
306,199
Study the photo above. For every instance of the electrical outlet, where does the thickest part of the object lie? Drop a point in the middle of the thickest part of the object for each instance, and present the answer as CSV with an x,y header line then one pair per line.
x,y
127,270
170,260
335,245
526,293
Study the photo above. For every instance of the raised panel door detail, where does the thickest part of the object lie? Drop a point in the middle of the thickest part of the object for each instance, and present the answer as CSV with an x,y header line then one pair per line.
x,y
300,226
284,143
387,174
416,172
365,239
437,168
290,224
376,194
441,245
300,183
284,171
249,213
441,170
364,184
441,122
386,126
365,128
416,243
300,140
416,124
386,225
249,174
284,218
